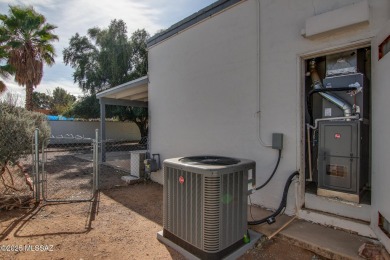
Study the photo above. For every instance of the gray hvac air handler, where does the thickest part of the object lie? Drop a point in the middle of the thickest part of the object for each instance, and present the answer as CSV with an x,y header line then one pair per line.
x,y
205,204
342,158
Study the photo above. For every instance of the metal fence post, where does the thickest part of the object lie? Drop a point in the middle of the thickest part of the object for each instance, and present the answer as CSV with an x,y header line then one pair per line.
x,y
93,165
43,176
96,161
37,177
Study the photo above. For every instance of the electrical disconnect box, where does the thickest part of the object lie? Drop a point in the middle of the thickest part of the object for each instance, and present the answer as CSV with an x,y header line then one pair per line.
x,y
277,141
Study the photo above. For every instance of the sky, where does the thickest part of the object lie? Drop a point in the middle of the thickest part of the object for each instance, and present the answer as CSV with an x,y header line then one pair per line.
x,y
77,16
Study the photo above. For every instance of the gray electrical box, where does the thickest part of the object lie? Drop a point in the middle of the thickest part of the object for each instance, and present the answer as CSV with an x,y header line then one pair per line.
x,y
342,157
277,141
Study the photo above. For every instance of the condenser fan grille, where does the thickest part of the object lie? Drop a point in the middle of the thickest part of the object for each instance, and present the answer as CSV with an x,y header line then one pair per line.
x,y
209,160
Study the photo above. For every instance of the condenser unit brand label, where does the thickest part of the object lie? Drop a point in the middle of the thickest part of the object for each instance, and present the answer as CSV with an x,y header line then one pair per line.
x,y
337,136
181,179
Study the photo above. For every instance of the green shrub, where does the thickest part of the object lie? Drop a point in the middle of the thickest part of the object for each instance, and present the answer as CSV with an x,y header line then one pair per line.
x,y
17,127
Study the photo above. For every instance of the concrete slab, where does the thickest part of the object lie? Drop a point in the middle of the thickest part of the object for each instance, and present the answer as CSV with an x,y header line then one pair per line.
x,y
338,207
236,254
129,179
324,241
354,226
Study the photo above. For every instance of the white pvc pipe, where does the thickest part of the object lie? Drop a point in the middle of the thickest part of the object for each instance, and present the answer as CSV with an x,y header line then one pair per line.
x,y
330,119
258,76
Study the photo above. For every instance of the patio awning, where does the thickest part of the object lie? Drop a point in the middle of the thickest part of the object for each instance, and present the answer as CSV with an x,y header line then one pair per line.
x,y
133,93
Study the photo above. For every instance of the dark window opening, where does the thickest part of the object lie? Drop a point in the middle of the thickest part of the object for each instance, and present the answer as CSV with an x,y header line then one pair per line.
x,y
384,48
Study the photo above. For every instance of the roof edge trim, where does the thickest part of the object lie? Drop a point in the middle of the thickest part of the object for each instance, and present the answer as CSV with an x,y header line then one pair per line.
x,y
131,84
191,20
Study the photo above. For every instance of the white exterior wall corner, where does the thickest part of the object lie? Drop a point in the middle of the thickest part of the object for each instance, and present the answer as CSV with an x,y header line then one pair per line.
x,y
380,131
203,85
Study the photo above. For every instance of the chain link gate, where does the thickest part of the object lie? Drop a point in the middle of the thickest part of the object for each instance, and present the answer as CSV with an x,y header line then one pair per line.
x,y
66,168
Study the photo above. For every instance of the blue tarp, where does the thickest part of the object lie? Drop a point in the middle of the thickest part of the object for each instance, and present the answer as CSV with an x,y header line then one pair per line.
x,y
59,118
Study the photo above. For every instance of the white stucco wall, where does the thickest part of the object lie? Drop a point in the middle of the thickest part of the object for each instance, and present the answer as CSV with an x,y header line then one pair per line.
x,y
203,91
203,84
114,130
380,140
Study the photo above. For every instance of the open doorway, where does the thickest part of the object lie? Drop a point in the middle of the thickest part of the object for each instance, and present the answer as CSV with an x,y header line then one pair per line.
x,y
337,125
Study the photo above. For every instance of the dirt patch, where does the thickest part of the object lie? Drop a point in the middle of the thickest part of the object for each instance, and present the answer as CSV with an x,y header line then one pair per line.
x,y
276,249
120,224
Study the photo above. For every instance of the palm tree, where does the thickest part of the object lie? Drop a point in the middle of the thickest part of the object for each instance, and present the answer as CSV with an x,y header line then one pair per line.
x,y
5,70
27,40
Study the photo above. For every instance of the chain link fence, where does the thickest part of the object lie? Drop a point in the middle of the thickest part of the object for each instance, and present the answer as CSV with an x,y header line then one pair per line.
x,y
117,166
69,163
68,169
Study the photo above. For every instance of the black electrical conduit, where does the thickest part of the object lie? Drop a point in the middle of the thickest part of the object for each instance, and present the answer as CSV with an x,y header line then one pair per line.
x,y
311,92
273,173
271,218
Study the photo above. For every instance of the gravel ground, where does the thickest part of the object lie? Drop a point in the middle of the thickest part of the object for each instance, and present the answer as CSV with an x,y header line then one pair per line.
x,y
121,223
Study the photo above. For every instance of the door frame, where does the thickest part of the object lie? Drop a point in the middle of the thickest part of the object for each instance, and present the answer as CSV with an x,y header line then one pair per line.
x,y
301,58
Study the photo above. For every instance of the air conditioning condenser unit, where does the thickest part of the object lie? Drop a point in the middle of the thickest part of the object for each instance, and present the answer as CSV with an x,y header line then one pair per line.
x,y
205,203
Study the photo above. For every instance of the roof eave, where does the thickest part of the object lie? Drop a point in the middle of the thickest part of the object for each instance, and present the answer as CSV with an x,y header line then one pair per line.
x,y
192,20
131,84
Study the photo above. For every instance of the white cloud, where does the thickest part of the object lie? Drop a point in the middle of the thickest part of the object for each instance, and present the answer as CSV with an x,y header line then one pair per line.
x,y
73,16
49,86
15,91
45,87
29,2
78,16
